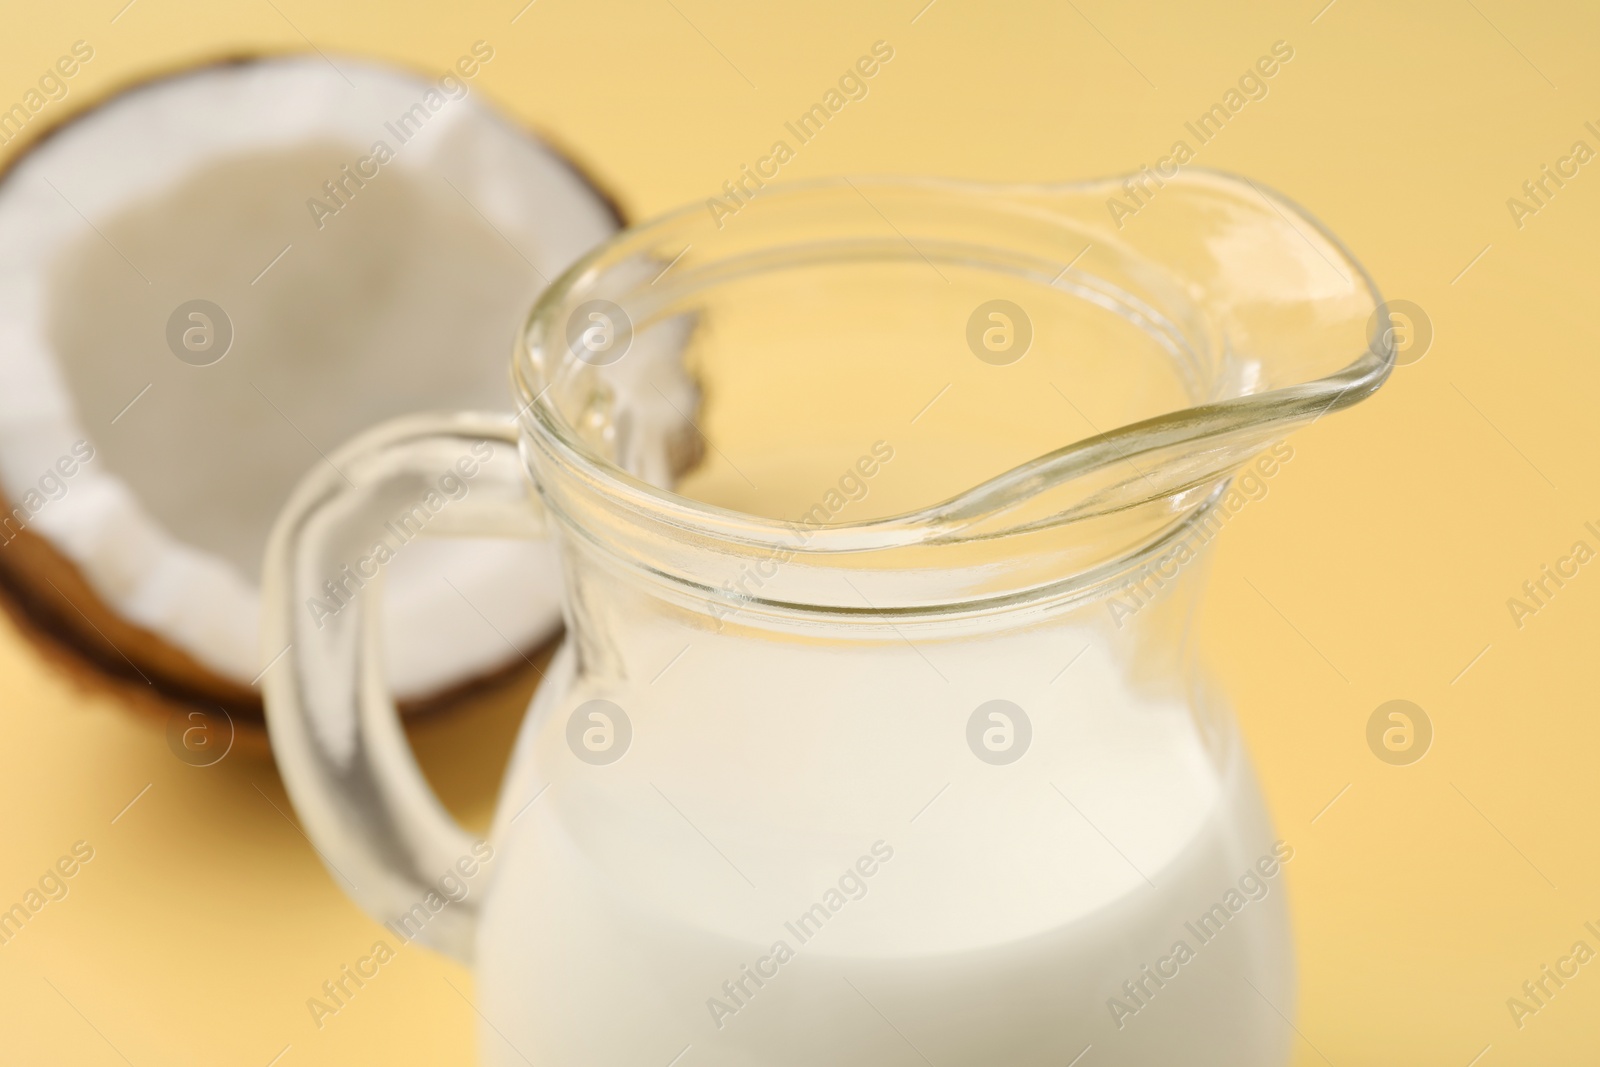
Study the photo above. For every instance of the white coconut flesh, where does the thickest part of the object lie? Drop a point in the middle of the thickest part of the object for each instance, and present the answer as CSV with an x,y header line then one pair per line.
x,y
405,299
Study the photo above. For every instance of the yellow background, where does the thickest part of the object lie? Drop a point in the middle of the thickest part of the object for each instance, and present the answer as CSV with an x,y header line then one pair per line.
x,y
1378,567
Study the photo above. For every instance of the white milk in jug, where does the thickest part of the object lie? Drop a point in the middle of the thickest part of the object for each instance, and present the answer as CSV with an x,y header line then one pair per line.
x,y
811,856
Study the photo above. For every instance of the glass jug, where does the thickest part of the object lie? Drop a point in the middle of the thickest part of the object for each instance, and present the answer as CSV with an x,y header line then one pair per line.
x,y
877,735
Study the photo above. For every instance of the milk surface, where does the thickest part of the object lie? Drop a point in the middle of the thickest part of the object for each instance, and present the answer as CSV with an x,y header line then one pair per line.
x,y
801,859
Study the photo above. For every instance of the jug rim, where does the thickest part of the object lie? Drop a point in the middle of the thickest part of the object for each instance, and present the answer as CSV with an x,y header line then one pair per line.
x,y
1244,423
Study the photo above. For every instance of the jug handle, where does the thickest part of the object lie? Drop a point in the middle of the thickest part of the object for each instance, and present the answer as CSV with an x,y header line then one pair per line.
x,y
349,771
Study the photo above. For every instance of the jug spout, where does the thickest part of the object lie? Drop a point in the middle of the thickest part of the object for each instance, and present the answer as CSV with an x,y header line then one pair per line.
x,y
1280,323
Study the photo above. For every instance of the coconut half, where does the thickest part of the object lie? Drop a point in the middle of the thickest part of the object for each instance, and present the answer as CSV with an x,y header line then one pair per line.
x,y
358,243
